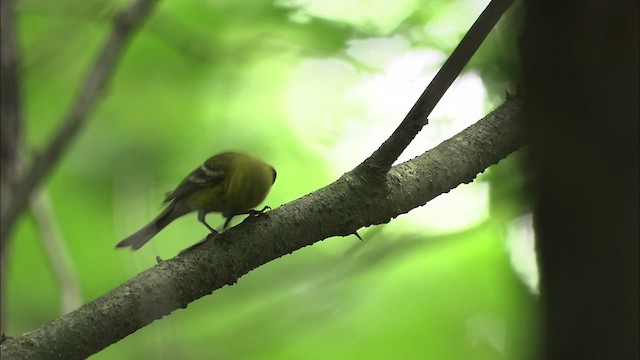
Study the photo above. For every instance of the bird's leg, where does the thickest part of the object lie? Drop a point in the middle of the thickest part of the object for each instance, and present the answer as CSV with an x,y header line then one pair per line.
x,y
254,212
258,212
201,215
226,222
251,212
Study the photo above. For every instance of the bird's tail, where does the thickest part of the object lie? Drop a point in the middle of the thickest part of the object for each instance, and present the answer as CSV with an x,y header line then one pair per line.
x,y
142,236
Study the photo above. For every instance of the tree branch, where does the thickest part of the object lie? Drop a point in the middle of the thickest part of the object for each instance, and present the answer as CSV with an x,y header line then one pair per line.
x,y
93,87
381,160
10,111
56,252
337,209
10,128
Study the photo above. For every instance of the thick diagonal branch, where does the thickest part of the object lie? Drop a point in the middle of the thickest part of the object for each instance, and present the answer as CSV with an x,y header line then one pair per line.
x,y
337,209
381,160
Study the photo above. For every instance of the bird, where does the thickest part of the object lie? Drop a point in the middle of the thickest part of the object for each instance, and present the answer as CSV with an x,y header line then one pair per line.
x,y
231,183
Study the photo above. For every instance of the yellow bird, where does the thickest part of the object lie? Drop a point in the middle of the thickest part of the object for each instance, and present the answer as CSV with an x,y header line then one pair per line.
x,y
230,183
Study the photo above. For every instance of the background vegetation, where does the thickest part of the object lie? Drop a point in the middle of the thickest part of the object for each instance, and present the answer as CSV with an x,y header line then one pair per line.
x,y
312,87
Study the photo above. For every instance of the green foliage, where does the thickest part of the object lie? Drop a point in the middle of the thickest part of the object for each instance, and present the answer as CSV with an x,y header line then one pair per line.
x,y
207,76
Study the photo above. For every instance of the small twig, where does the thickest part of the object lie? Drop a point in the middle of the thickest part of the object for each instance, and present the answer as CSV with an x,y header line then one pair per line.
x,y
10,111
10,128
381,160
56,251
95,82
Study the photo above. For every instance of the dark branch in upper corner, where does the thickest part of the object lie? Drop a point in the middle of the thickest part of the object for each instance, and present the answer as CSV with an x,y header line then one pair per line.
x,y
10,97
96,80
11,116
381,160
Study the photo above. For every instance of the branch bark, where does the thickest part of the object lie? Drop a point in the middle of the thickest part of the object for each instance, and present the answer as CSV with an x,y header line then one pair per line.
x,y
338,209
377,165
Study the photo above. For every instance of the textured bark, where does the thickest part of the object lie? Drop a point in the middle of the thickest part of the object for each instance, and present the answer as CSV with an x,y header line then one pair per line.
x,y
340,208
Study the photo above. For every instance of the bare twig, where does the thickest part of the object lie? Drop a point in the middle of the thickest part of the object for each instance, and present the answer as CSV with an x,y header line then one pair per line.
x,y
10,111
11,116
337,209
381,160
56,251
95,82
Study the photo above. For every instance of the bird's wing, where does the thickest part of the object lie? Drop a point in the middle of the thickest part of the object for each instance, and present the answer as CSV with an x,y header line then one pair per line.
x,y
206,175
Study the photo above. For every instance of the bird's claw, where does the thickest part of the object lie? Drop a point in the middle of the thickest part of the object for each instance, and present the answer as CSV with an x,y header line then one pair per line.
x,y
258,212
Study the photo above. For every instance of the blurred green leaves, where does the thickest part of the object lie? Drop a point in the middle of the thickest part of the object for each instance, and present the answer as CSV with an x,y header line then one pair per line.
x,y
206,76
